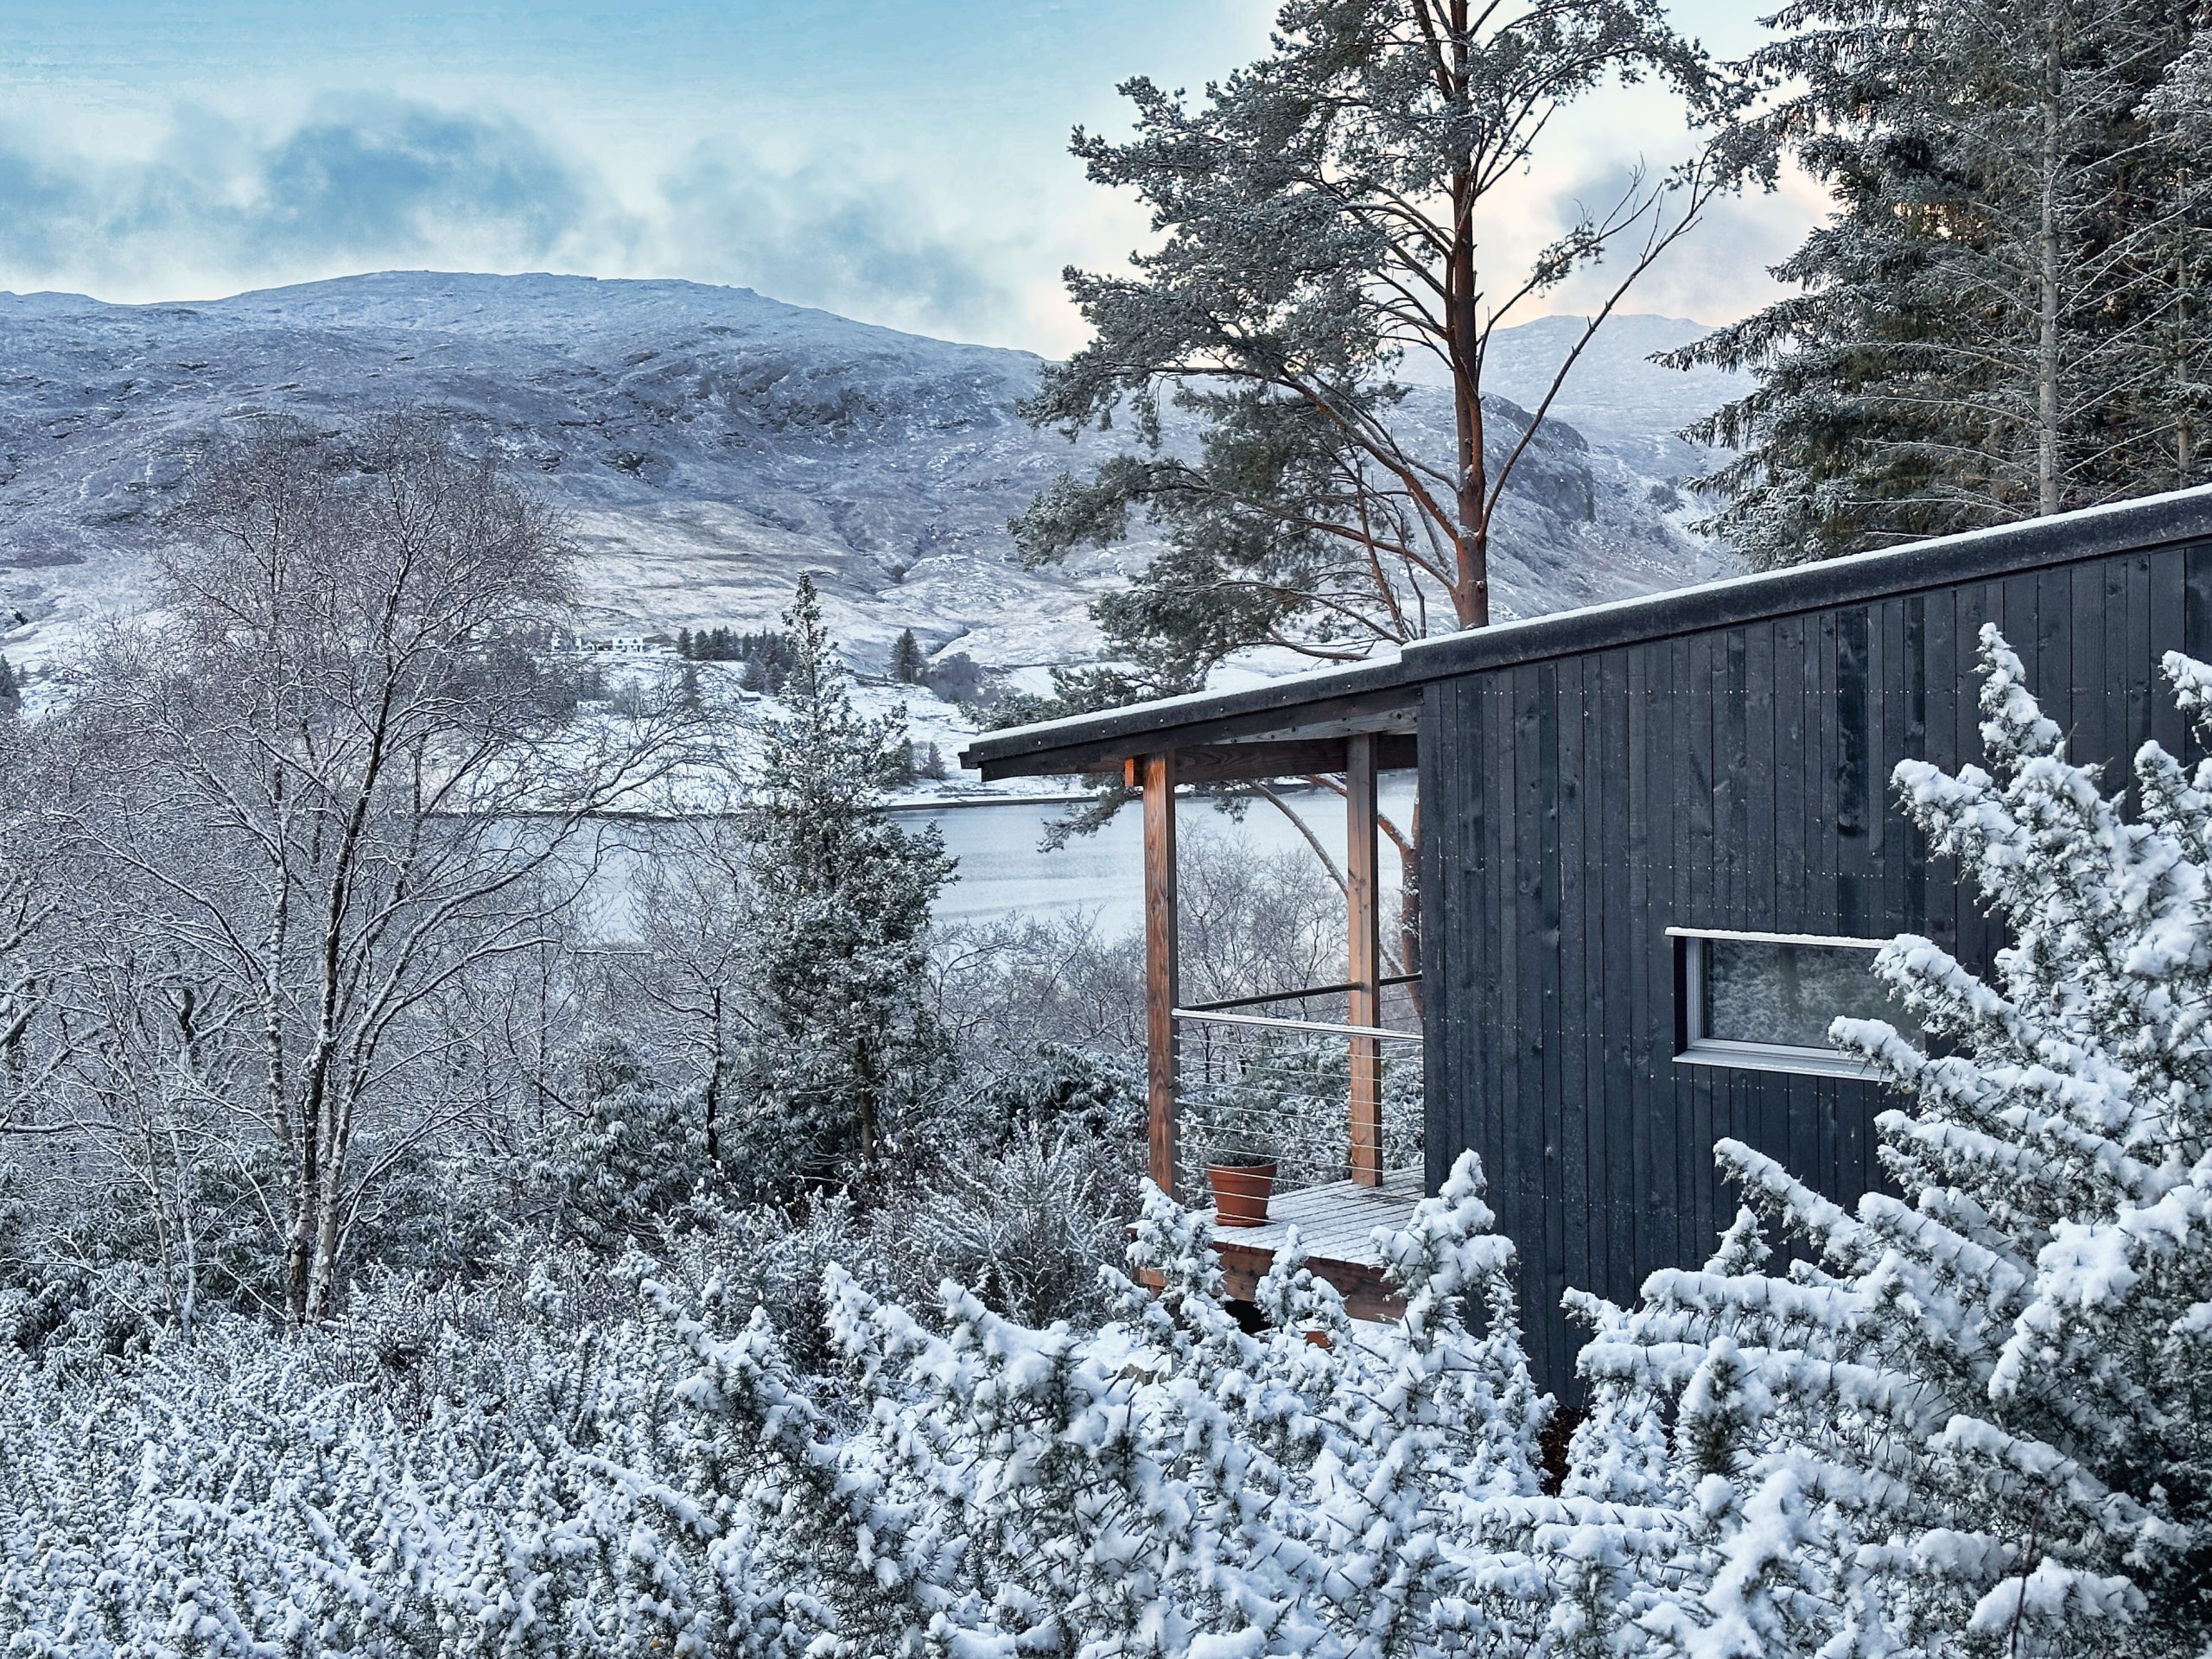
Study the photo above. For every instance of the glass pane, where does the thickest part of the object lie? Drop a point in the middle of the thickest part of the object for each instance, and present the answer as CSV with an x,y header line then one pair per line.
x,y
1787,994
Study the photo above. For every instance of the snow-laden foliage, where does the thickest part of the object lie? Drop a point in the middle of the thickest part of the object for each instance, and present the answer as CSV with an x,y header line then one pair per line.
x,y
1997,318
630,1159
843,1035
1967,1420
580,1466
1972,1419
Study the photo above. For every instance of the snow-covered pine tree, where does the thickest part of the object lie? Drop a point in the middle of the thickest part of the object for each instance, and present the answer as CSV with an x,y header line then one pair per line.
x,y
907,662
11,693
629,1161
1978,1418
1996,320
842,1030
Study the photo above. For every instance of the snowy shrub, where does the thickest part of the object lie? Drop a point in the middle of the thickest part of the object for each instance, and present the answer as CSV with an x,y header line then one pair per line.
x,y
1974,1420
1026,1227
628,1163
566,1466
775,1259
1051,1089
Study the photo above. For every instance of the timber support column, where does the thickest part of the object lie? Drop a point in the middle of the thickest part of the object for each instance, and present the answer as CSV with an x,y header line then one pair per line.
x,y
1366,961
1155,775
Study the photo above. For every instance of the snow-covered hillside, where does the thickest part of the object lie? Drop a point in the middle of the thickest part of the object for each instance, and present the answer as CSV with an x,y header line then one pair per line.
x,y
709,444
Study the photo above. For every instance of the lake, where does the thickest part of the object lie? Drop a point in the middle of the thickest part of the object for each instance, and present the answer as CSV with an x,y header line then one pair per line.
x,y
1005,874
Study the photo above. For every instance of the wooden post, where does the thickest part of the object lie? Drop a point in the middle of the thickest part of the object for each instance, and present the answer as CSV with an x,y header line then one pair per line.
x,y
1365,964
1163,989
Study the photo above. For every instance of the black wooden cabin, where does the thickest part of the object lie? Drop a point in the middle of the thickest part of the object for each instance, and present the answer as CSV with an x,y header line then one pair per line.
x,y
1657,842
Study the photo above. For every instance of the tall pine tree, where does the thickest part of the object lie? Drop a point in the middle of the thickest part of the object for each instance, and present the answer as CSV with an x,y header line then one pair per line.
x,y
907,662
1327,218
1999,319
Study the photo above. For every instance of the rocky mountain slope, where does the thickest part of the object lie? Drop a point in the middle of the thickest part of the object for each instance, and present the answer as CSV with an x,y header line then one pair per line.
x,y
709,444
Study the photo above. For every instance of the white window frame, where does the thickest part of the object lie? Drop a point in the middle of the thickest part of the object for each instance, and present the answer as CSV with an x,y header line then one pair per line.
x,y
1695,1048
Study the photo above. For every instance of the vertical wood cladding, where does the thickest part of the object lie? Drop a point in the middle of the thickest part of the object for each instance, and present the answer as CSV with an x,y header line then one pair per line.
x,y
1738,777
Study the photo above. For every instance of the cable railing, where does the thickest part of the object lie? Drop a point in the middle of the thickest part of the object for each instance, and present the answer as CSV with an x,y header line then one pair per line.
x,y
1271,1078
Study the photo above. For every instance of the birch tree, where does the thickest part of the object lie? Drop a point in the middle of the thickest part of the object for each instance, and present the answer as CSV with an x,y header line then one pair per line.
x,y
30,902
335,778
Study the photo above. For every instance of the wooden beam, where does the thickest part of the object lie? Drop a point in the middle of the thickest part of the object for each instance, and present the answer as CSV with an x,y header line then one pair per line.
x,y
1398,713
1162,982
1229,763
1366,1289
1365,959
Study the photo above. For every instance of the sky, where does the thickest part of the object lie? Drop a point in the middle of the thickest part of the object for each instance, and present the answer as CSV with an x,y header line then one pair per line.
x,y
903,161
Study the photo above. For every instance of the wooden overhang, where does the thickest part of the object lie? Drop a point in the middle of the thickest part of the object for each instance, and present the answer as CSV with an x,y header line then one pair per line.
x,y
1284,728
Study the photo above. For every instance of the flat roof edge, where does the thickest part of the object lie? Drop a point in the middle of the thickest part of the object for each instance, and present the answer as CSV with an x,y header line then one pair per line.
x,y
2142,525
1380,678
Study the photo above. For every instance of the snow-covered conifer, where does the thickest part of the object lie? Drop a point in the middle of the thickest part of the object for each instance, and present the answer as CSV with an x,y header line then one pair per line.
x,y
1974,1418
632,1159
843,1036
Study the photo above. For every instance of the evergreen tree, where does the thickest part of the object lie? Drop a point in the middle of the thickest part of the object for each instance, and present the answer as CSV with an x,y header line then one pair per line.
x,y
632,1157
1326,213
12,694
684,646
2000,319
1977,1419
907,662
845,1035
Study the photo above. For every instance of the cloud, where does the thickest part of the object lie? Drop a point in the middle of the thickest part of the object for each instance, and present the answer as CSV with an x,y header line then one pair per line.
x,y
362,183
358,183
819,235
398,175
195,203
1716,272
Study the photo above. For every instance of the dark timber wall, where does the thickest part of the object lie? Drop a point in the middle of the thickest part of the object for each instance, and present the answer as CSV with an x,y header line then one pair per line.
x,y
1577,805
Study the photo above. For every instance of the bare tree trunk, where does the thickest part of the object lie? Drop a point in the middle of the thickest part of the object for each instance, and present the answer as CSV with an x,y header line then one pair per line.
x,y
2047,249
713,1093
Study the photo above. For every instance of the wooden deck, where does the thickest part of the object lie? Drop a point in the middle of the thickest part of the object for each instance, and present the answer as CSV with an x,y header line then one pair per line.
x,y
1333,1223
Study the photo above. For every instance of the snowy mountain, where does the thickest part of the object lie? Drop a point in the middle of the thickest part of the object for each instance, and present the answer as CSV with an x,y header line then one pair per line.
x,y
709,444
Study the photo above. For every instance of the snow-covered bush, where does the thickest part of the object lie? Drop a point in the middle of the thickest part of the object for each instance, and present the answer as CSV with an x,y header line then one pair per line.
x,y
627,1165
563,1466
1975,1418
1026,1226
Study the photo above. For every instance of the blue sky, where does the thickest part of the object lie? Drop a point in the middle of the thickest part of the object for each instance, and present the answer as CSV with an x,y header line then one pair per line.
x,y
902,162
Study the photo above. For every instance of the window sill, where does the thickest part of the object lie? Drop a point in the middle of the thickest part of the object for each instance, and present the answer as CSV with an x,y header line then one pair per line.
x,y
1774,1057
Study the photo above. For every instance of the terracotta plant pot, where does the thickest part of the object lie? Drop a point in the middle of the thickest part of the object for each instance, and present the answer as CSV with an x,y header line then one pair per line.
x,y
1240,1192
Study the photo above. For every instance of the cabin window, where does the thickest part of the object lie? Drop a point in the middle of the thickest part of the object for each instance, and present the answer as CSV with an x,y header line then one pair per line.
x,y
1764,1001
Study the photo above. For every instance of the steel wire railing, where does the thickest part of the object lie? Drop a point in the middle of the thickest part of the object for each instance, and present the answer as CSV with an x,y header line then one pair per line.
x,y
1269,1079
